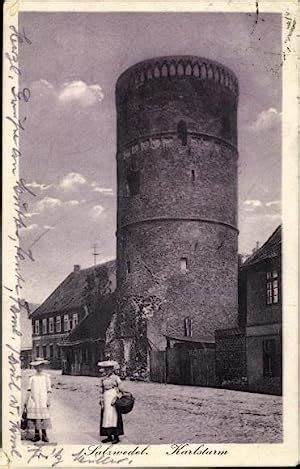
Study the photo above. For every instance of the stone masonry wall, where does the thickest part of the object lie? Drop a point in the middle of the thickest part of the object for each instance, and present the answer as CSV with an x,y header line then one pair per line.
x,y
177,196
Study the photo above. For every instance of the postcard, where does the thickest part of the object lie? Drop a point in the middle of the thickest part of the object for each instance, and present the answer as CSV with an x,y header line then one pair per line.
x,y
150,227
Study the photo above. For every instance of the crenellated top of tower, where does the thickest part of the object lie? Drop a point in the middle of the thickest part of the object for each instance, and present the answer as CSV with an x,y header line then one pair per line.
x,y
177,67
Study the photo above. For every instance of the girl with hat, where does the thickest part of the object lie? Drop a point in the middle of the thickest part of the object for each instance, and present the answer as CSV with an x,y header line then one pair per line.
x,y
111,423
38,400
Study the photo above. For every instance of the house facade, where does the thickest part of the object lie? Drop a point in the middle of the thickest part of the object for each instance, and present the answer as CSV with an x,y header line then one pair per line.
x,y
262,276
250,357
64,309
85,345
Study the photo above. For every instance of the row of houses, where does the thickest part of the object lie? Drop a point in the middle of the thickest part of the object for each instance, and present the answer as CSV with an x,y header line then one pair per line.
x,y
71,329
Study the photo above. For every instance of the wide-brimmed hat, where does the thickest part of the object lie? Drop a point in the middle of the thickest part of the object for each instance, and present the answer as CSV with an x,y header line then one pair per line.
x,y
39,361
108,364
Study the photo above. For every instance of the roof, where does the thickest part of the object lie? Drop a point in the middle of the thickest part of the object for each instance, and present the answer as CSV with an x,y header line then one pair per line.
x,y
269,250
93,327
72,292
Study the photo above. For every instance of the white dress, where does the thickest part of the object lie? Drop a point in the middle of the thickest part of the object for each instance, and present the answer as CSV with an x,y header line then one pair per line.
x,y
39,387
111,421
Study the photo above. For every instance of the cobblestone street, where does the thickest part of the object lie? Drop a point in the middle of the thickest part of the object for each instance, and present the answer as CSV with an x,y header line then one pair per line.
x,y
165,413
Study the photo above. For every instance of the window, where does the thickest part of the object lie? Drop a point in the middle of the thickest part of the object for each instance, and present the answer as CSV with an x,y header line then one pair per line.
x,y
37,351
128,267
193,175
37,327
182,132
45,326
51,325
75,319
226,124
66,322
51,351
133,181
270,362
183,264
272,287
44,351
58,324
188,332
48,351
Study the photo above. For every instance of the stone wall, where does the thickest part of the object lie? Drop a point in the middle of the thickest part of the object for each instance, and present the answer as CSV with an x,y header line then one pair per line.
x,y
177,197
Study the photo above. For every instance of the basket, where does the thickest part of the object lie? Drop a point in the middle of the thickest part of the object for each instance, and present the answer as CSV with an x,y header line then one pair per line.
x,y
125,403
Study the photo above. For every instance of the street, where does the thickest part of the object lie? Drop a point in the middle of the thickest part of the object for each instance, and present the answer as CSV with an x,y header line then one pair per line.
x,y
164,413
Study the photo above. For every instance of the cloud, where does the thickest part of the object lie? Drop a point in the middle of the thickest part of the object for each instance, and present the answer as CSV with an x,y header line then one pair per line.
x,y
97,210
32,214
48,203
48,227
36,185
266,119
81,93
255,207
103,190
72,203
72,180
252,204
273,203
73,92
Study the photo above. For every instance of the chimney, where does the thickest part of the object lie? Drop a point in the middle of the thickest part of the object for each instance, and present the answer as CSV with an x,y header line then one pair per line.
x,y
256,247
76,268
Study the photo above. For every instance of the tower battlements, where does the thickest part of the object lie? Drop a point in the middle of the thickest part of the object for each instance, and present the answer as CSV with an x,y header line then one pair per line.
x,y
174,67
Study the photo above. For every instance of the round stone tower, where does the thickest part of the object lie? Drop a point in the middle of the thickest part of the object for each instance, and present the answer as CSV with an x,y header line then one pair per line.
x,y
177,202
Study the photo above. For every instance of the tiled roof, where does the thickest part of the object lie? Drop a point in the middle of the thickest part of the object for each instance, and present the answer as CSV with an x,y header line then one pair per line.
x,y
70,293
270,249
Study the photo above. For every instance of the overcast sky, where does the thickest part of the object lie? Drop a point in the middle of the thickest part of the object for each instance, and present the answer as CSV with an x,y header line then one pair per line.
x,y
69,147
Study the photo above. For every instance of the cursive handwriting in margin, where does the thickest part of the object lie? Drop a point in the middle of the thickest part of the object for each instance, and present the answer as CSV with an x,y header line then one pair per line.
x,y
21,195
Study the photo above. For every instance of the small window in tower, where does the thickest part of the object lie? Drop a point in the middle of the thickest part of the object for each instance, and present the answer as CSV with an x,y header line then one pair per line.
x,y
183,264
188,330
128,267
193,175
182,132
133,181
226,124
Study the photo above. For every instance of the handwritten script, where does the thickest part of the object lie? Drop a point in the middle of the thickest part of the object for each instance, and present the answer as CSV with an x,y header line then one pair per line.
x,y
21,194
53,455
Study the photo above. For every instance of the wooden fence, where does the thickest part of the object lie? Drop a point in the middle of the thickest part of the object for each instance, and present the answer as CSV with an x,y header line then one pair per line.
x,y
183,366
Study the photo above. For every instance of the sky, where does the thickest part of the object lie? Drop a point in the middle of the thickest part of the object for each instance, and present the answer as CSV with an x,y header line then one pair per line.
x,y
69,145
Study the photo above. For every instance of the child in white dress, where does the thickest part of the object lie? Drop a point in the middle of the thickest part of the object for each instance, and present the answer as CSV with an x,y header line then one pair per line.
x,y
38,400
